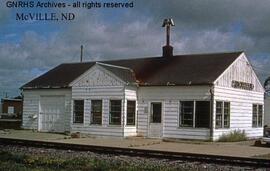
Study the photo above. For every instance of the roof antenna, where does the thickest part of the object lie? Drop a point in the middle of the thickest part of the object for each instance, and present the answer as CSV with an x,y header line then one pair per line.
x,y
81,52
168,49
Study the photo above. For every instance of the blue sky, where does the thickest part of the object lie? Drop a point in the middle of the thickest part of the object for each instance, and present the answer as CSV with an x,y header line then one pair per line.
x,y
28,49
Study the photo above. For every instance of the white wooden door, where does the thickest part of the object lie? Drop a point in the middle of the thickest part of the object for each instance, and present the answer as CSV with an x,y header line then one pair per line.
x,y
155,125
51,116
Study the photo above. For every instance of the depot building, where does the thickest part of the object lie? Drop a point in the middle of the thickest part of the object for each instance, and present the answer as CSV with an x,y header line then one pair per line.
x,y
196,96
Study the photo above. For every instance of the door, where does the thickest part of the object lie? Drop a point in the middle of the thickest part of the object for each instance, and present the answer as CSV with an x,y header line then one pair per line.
x,y
155,125
51,116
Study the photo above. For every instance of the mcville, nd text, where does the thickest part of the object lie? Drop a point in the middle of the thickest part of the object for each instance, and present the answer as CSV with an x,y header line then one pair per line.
x,y
45,16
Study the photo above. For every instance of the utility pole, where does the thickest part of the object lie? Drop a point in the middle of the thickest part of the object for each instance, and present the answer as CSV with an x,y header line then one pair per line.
x,y
81,53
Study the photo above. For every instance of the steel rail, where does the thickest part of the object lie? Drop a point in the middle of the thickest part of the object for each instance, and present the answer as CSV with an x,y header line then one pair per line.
x,y
207,158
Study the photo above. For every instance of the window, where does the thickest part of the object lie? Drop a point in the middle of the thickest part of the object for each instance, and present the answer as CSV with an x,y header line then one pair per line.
x,y
219,111
156,112
78,111
10,109
226,113
222,114
115,112
96,112
131,109
186,114
257,114
194,114
202,114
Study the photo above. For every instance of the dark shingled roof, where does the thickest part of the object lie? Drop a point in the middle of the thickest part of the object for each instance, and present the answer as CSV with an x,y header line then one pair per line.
x,y
126,74
196,69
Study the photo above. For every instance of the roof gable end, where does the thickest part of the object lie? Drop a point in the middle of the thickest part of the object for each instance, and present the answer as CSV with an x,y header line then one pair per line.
x,y
241,71
97,76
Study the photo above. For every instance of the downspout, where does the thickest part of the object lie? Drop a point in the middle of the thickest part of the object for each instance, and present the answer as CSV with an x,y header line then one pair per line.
x,y
211,90
137,102
124,110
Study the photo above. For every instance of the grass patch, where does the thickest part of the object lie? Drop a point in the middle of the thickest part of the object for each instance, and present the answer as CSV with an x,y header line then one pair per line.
x,y
263,156
17,162
233,136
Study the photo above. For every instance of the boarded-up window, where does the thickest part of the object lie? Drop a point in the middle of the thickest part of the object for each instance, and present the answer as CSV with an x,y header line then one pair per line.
x,y
115,112
257,115
202,114
78,111
156,111
186,113
222,114
96,112
131,110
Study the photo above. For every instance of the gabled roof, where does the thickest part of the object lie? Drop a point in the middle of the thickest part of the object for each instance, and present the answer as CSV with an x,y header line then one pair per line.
x,y
196,69
125,74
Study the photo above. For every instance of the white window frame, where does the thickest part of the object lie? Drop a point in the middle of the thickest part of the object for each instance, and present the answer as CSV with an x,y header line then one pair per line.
x,y
11,110
73,107
134,113
194,114
257,115
121,112
222,114
91,117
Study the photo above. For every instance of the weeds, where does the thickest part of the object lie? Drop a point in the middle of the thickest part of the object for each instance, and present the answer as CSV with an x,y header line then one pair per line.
x,y
233,136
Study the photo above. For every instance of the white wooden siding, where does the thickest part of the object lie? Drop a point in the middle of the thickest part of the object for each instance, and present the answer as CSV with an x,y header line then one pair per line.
x,y
170,97
130,94
240,70
31,106
267,111
108,92
100,84
97,93
240,110
142,117
52,114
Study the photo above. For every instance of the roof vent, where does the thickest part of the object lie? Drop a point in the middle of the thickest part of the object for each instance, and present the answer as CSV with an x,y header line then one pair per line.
x,y
167,49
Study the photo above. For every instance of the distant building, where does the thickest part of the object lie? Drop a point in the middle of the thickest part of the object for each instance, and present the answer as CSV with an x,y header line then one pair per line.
x,y
1,106
12,106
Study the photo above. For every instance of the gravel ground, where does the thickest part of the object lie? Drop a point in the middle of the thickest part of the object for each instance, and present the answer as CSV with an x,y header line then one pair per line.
x,y
134,161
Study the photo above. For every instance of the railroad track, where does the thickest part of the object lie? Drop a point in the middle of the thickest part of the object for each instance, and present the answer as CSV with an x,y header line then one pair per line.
x,y
216,159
